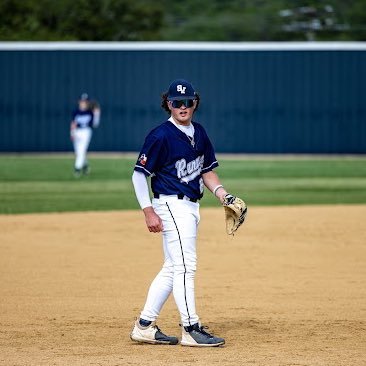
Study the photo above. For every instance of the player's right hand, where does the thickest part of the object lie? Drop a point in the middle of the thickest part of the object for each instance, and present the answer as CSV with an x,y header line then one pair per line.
x,y
72,131
153,221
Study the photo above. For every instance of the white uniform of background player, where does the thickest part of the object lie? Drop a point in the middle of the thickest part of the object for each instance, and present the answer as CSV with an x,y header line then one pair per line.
x,y
84,119
179,157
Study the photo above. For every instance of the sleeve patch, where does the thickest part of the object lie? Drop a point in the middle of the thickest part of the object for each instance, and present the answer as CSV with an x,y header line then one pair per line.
x,y
143,159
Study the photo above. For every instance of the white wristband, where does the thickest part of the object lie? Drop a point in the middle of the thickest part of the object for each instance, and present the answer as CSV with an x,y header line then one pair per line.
x,y
217,188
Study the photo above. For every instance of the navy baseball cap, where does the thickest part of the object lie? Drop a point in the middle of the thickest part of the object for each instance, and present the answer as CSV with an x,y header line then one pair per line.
x,y
181,89
84,96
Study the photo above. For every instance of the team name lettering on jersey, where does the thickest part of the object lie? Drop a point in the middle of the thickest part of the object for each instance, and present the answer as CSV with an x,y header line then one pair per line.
x,y
189,171
83,119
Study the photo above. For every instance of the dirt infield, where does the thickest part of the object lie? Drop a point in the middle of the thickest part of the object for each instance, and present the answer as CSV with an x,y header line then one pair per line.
x,y
288,289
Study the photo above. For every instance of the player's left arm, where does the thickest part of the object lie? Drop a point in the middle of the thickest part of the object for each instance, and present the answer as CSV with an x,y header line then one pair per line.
x,y
96,117
235,208
94,107
212,182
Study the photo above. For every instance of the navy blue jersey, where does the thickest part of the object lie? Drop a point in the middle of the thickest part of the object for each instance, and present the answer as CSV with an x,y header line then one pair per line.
x,y
82,118
175,165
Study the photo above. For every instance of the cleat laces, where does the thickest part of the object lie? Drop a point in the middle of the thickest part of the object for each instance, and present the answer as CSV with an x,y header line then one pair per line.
x,y
202,330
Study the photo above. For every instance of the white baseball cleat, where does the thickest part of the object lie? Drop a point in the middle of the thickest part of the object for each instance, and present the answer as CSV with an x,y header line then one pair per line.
x,y
151,334
196,336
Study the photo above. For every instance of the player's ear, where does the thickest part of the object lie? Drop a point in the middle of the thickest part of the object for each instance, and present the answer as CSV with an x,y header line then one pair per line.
x,y
169,104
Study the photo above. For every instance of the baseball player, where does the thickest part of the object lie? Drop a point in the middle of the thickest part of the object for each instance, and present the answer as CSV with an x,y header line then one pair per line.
x,y
84,119
179,158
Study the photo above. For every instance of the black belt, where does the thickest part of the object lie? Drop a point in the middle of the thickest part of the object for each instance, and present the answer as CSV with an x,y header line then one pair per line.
x,y
180,196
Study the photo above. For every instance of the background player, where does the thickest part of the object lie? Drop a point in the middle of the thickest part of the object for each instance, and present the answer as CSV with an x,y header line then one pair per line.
x,y
84,119
179,157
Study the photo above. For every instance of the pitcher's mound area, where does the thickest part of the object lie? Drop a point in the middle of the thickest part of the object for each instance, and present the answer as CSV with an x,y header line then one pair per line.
x,y
288,289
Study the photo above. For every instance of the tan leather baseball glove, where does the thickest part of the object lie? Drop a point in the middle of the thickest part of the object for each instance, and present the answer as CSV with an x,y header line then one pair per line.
x,y
235,213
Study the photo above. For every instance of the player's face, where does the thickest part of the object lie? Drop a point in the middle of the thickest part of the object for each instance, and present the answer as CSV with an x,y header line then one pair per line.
x,y
182,110
83,105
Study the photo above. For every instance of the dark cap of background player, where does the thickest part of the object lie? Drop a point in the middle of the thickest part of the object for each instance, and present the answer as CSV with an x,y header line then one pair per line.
x,y
84,96
181,89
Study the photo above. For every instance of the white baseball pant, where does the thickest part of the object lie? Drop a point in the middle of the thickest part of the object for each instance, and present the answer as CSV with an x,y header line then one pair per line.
x,y
180,222
81,140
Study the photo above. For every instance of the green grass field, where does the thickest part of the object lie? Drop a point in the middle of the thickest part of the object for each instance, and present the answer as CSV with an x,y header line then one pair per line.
x,y
46,184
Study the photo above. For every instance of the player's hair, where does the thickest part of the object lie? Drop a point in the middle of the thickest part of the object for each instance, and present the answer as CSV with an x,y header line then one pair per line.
x,y
164,102
93,104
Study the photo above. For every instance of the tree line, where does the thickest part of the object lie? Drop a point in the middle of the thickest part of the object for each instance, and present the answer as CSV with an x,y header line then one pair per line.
x,y
189,20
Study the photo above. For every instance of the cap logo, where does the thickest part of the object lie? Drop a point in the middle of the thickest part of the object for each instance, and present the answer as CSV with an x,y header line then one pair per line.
x,y
181,89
